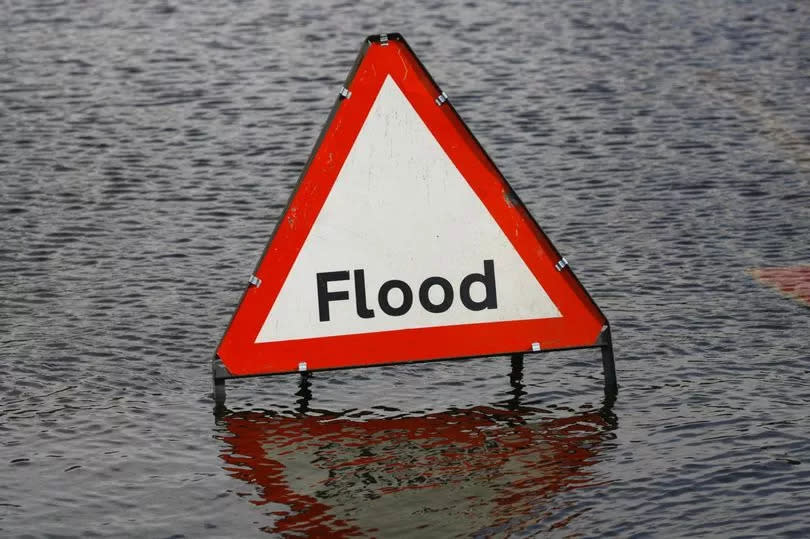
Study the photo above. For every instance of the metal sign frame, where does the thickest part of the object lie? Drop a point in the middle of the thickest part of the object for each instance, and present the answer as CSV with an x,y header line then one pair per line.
x,y
603,341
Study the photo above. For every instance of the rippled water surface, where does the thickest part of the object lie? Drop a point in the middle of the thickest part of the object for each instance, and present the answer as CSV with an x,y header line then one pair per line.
x,y
146,150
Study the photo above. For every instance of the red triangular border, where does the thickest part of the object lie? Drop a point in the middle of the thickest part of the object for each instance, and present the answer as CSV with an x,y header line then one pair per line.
x,y
579,326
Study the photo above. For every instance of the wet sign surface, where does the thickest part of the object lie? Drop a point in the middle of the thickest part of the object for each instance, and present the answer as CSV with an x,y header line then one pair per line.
x,y
403,242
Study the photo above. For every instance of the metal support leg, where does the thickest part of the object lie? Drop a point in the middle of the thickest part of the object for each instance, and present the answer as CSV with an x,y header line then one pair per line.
x,y
609,366
516,381
304,392
516,375
219,391
219,374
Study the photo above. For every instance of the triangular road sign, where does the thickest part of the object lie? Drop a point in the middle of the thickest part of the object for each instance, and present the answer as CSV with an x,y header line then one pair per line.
x,y
403,242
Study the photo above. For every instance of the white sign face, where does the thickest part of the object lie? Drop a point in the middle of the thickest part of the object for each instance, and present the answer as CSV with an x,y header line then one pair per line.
x,y
402,242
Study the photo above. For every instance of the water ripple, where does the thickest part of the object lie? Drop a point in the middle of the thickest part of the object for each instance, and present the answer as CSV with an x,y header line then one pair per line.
x,y
146,151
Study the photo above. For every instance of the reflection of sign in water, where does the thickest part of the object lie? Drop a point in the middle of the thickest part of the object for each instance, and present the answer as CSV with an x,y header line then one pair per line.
x,y
448,473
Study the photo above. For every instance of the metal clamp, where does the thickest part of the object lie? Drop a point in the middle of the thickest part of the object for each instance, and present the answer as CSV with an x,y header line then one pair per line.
x,y
535,347
561,264
345,93
604,336
384,39
255,281
441,99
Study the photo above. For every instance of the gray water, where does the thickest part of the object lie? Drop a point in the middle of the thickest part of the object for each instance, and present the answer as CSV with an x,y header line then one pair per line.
x,y
146,150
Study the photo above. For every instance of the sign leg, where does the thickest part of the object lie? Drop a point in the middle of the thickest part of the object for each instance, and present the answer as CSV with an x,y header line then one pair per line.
x,y
516,375
516,381
304,392
219,391
609,366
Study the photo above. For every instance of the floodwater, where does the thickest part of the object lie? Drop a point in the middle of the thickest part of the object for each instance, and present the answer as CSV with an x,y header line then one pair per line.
x,y
147,148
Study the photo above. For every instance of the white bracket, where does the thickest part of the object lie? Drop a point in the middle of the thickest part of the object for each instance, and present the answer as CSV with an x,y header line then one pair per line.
x,y
561,264
255,281
441,99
